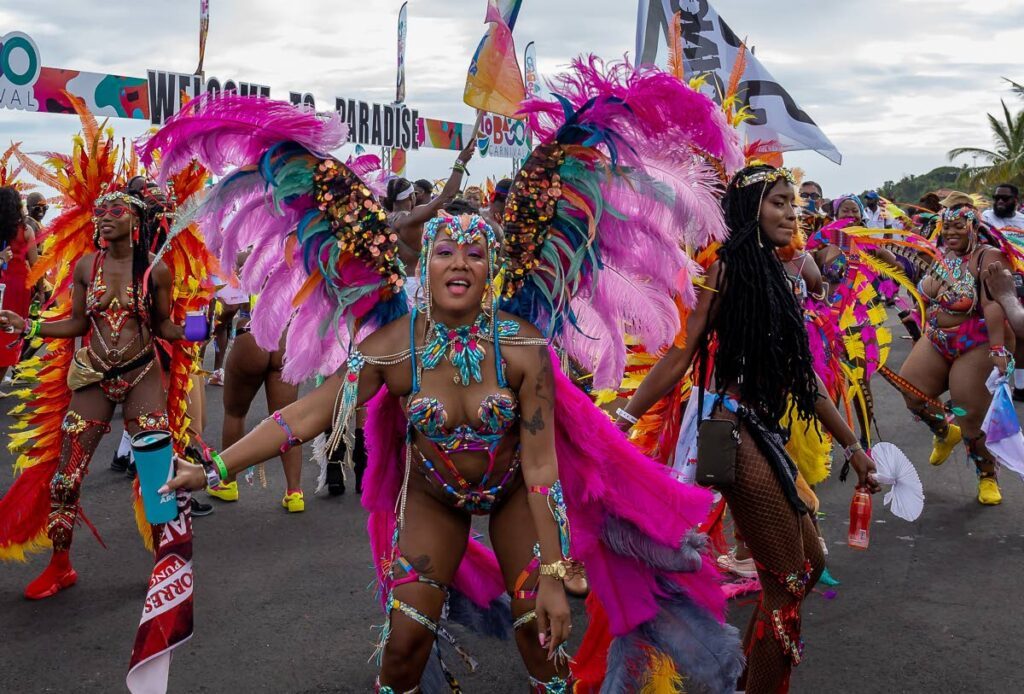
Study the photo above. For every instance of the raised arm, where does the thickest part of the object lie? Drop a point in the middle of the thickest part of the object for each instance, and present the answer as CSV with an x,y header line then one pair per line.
x,y
671,368
540,472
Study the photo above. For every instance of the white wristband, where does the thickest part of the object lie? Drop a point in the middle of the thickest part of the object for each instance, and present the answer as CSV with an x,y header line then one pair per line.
x,y
626,416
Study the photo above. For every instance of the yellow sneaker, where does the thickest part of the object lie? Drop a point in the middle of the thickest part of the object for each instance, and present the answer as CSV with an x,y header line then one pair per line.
x,y
225,491
988,492
941,448
294,502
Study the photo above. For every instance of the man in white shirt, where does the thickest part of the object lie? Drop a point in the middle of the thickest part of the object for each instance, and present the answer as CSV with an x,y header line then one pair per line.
x,y
875,216
1005,212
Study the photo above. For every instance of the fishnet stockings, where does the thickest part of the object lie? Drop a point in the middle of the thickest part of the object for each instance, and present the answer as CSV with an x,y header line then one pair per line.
x,y
785,547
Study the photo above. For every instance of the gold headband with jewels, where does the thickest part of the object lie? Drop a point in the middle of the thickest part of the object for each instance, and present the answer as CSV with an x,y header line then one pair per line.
x,y
767,177
123,197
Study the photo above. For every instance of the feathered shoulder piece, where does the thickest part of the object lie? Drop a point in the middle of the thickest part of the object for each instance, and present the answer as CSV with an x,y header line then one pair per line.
x,y
321,252
628,170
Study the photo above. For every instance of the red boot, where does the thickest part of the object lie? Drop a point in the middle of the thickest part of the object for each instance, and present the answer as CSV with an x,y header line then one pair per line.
x,y
55,578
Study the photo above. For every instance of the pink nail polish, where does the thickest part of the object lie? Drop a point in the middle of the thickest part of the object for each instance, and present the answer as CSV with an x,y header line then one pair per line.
x,y
541,637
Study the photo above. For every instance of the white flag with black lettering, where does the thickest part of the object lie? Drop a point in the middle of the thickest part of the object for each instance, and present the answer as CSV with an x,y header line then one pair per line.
x,y
710,46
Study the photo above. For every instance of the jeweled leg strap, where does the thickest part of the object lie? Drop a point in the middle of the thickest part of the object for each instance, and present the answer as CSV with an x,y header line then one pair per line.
x,y
555,685
393,603
385,689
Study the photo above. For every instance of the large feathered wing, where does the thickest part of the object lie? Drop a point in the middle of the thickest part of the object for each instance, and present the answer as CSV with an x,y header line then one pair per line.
x,y
322,252
627,172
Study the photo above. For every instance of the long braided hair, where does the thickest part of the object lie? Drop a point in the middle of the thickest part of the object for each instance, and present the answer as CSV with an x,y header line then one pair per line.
x,y
759,326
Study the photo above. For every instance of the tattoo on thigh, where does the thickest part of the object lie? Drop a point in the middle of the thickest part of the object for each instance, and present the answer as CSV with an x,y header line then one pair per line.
x,y
534,424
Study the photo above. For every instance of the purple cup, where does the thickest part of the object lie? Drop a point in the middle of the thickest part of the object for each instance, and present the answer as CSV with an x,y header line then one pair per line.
x,y
197,327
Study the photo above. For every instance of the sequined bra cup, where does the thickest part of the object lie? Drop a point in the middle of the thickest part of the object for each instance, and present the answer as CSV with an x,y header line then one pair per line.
x,y
113,313
958,289
497,413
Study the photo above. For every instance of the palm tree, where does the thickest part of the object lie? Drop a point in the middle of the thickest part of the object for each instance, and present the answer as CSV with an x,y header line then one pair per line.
x,y
1005,163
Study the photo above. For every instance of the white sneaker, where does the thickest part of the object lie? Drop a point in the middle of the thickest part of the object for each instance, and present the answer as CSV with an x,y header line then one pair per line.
x,y
745,568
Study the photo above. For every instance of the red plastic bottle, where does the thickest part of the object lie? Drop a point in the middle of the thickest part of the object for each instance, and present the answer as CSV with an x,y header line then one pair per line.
x,y
860,519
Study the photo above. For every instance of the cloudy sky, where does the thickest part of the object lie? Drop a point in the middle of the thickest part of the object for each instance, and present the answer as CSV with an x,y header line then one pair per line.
x,y
894,83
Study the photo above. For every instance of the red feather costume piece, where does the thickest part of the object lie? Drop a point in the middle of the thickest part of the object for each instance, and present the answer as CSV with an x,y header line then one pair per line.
x,y
89,172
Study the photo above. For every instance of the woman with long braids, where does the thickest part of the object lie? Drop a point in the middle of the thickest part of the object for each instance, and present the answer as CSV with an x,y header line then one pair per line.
x,y
17,255
491,425
761,364
962,321
118,317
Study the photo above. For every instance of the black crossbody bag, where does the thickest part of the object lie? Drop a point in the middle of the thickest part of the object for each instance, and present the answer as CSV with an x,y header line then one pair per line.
x,y
717,443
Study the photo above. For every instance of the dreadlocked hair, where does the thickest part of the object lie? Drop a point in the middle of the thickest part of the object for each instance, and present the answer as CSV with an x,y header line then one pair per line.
x,y
762,344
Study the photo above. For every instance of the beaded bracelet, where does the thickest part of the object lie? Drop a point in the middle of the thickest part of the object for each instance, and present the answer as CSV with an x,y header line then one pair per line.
x,y
218,462
460,167
293,440
31,329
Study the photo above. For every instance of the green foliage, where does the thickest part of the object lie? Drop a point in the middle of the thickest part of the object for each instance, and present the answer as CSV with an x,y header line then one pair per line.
x,y
1005,161
910,189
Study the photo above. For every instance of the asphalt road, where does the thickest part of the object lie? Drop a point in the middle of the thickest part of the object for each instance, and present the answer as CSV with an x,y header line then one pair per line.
x,y
282,601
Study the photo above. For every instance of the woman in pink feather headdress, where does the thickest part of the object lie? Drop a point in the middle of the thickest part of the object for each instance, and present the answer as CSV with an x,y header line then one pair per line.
x,y
469,412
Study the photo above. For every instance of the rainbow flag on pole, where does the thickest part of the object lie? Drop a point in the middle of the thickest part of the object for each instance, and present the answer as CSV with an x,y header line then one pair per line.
x,y
494,82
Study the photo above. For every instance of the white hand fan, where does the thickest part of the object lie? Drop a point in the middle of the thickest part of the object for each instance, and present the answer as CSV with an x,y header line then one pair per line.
x,y
906,497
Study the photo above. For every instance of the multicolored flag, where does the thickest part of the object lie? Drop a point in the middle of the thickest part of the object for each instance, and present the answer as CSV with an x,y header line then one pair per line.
x,y
494,82
167,614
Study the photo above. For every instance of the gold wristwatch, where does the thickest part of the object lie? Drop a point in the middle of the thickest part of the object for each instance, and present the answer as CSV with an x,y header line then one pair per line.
x,y
558,569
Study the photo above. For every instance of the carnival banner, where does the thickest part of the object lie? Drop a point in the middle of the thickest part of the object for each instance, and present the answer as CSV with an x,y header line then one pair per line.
x,y
398,156
167,613
503,137
712,48
28,86
403,29
531,75
494,82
